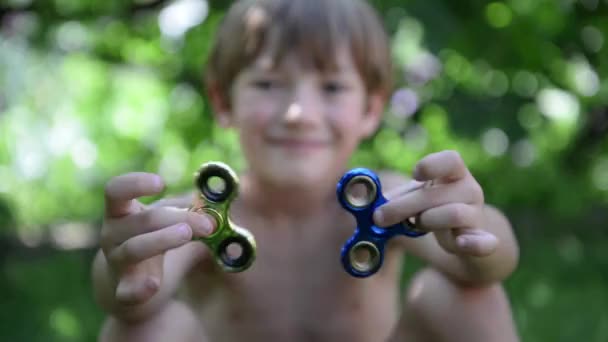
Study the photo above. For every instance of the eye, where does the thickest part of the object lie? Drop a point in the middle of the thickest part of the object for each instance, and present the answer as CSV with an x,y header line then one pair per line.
x,y
265,84
333,87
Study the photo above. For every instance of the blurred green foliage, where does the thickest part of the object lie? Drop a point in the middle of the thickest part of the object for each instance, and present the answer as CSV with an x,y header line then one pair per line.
x,y
90,89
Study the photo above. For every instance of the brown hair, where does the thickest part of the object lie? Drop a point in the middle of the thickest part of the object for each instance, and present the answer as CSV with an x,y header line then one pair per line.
x,y
314,29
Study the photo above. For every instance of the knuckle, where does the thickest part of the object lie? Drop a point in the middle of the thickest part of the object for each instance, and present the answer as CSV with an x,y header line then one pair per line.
x,y
459,215
129,252
105,237
113,257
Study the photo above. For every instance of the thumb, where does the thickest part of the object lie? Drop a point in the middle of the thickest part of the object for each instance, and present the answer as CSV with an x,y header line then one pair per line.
x,y
472,242
140,282
476,242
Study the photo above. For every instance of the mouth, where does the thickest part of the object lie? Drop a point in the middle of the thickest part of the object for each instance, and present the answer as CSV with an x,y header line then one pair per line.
x,y
298,144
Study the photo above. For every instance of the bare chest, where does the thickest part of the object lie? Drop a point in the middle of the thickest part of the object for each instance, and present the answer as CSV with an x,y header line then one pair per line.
x,y
297,290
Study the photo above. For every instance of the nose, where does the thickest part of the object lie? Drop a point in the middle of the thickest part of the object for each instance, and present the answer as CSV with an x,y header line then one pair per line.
x,y
294,112
304,109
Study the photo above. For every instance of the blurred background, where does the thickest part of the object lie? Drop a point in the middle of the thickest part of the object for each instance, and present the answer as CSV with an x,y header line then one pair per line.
x,y
90,89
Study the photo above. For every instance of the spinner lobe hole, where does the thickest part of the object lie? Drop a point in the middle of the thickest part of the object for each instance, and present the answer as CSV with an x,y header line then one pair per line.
x,y
235,252
216,183
364,256
360,191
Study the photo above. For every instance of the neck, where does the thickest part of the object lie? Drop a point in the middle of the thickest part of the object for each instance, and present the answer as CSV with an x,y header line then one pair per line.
x,y
281,202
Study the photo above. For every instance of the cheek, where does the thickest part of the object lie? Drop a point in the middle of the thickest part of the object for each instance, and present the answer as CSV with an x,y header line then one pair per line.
x,y
347,118
253,114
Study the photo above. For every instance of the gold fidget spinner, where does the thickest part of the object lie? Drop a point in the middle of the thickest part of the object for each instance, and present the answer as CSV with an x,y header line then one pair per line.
x,y
233,247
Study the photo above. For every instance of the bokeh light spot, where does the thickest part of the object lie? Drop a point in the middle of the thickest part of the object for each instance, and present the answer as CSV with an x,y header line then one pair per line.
x,y
496,83
583,78
177,18
599,174
495,142
404,103
529,116
558,105
84,153
73,235
65,323
523,153
416,137
592,38
571,249
498,14
540,294
525,83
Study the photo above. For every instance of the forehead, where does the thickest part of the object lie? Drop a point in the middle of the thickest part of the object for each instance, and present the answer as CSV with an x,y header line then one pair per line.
x,y
270,60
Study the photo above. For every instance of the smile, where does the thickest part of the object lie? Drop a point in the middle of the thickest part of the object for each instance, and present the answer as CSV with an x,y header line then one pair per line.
x,y
297,143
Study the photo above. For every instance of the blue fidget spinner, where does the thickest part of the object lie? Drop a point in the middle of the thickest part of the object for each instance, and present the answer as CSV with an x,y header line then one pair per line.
x,y
359,191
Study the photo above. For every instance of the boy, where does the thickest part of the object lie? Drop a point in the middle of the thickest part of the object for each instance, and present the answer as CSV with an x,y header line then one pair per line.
x,y
303,81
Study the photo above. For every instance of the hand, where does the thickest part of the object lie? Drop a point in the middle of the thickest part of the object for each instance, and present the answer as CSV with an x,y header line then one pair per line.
x,y
134,238
449,203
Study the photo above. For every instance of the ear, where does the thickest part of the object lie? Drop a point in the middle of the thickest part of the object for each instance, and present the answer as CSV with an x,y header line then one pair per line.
x,y
220,104
373,115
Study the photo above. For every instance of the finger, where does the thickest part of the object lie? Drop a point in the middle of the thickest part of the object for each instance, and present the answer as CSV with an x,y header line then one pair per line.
x,y
185,201
415,202
120,192
145,246
476,242
403,189
151,220
444,165
140,283
448,216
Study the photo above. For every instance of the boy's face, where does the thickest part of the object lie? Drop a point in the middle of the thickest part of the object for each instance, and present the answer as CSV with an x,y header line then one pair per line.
x,y
298,126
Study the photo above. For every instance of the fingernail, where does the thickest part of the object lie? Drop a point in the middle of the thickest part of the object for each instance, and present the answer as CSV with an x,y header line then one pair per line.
x,y
378,217
463,242
158,183
184,231
203,224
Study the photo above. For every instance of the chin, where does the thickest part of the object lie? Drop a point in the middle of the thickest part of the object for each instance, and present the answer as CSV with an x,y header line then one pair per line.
x,y
298,173
295,167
